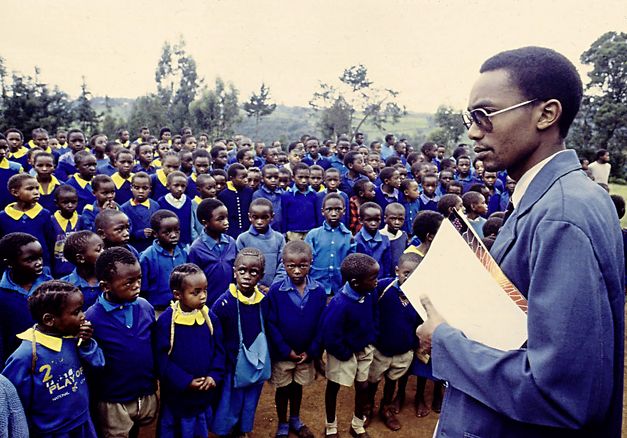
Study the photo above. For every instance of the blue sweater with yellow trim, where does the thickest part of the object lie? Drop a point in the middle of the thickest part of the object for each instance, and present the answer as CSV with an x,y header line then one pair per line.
x,y
184,213
7,170
84,191
62,228
237,203
139,215
123,191
35,222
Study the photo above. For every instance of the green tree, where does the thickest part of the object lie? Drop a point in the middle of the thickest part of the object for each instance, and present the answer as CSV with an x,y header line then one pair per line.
x,y
84,114
258,106
601,122
449,126
147,111
217,110
362,101
109,122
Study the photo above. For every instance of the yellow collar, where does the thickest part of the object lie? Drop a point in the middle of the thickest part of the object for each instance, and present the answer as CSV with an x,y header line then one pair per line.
x,y
119,181
31,144
16,214
255,298
53,183
146,203
197,199
230,186
162,177
413,249
81,182
188,318
156,162
52,342
4,164
193,176
322,188
63,221
19,153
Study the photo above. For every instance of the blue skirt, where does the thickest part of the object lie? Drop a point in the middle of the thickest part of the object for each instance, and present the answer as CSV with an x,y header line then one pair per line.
x,y
85,430
237,407
184,427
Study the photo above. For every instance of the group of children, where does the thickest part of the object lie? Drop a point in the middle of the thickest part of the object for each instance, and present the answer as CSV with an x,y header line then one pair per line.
x,y
122,270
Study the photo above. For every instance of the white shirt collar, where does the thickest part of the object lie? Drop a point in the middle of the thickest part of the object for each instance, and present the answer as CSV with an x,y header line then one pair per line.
x,y
523,183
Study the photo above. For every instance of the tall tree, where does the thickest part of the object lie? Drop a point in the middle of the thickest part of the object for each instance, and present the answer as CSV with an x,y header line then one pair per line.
x,y
147,111
449,126
84,113
259,106
109,122
217,110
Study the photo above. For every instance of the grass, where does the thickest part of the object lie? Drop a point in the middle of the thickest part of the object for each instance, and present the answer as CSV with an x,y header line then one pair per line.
x,y
618,189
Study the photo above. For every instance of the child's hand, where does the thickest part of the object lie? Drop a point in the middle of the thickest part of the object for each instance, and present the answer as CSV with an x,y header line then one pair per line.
x,y
196,383
304,357
294,357
148,232
85,332
108,205
208,384
263,289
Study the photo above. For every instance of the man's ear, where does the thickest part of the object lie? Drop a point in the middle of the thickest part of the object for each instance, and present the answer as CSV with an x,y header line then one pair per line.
x,y
551,113
48,319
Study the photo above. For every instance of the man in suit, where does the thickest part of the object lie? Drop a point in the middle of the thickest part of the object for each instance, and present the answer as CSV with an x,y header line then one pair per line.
x,y
561,246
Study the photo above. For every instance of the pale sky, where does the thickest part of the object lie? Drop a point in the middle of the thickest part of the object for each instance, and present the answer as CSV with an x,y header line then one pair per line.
x,y
429,51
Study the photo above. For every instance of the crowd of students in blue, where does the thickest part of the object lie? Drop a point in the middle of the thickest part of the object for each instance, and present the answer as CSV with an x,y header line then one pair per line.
x,y
165,260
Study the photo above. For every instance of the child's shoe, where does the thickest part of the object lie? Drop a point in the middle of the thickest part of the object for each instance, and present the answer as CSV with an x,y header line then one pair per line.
x,y
389,417
330,429
357,429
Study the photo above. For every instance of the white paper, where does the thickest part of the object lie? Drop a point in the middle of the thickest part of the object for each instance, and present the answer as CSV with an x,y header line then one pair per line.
x,y
465,293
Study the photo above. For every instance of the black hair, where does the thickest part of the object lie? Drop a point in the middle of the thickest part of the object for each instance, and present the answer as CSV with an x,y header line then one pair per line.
x,y
200,179
600,153
300,166
103,218
81,156
331,170
234,168
456,184
360,186
329,196
12,243
123,151
393,160
199,152
158,216
267,167
251,252
10,130
215,150
206,208
106,264
50,297
171,154
447,202
219,172
470,198
110,146
543,74
619,204
164,130
386,173
394,205
240,154
63,189
92,139
426,222
38,131
366,205
75,244
350,157
316,167
44,154
389,137
176,173
140,146
428,145
406,183
297,247
261,201
16,181
140,175
491,226
99,180
430,175
180,272
75,131
356,266
409,257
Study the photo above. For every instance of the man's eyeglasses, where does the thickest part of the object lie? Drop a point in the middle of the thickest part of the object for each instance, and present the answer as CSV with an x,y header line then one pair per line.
x,y
481,117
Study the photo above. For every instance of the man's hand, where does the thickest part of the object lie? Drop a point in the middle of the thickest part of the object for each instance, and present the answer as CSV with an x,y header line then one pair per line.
x,y
425,330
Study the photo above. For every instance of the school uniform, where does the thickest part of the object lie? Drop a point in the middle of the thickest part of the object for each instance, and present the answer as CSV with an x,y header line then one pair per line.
x,y
271,245
427,203
150,170
123,191
83,189
62,228
320,161
21,157
196,351
157,265
66,166
216,259
106,169
412,208
494,202
13,423
329,247
35,222
275,198
298,210
7,170
191,189
46,197
398,244
468,181
159,182
242,321
14,314
338,164
139,215
183,209
384,199
320,200
237,203
87,221
90,292
347,183
377,247
477,225
54,394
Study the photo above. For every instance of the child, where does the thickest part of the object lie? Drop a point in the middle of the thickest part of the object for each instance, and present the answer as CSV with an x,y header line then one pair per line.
x,y
47,368
111,150
388,192
97,145
66,165
425,227
455,188
464,173
476,208
363,191
113,228
123,177
205,189
348,334
506,195
26,215
370,241
428,198
17,152
295,306
189,352
269,190
332,184
44,166
214,251
242,310
219,158
298,206
411,202
187,162
159,181
396,340
237,198
285,179
331,243
7,170
124,390
139,209
145,159
64,222
448,203
316,175
24,271
162,149
354,162
82,249
179,203
159,259
85,164
104,194
220,176
394,216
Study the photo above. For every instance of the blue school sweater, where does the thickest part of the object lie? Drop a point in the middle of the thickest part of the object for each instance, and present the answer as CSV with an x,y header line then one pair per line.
x,y
329,246
84,190
87,221
294,319
346,219
298,210
427,203
159,181
46,197
66,166
216,259
139,217
90,293
338,164
55,397
62,228
377,247
151,170
398,320
237,203
270,244
275,199
412,208
384,199
191,189
14,314
123,191
21,157
106,169
225,308
468,181
129,371
157,265
184,213
347,183
349,323
7,170
320,161
196,352
35,222
398,244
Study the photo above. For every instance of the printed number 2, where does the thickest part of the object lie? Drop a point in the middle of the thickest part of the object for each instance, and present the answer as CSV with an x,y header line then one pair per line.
x,y
47,369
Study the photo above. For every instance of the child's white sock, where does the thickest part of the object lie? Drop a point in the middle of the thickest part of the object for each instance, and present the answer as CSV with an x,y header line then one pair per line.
x,y
358,424
331,428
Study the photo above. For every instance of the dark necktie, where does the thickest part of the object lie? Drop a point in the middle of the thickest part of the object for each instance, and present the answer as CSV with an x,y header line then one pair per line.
x,y
508,211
